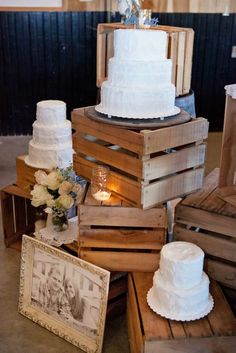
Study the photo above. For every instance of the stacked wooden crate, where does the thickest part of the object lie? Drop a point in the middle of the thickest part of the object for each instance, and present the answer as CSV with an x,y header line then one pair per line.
x,y
147,166
119,237
205,219
179,50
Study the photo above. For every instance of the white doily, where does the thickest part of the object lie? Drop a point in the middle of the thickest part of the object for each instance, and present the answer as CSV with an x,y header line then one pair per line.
x,y
231,91
51,237
178,316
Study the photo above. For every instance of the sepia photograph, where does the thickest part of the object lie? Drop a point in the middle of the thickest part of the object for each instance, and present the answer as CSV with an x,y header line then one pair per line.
x,y
63,293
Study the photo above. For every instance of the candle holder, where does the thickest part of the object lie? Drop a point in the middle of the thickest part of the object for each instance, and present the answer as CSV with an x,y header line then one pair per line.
x,y
99,181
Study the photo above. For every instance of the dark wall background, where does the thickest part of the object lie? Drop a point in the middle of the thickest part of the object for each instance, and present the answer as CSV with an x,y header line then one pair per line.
x,y
50,55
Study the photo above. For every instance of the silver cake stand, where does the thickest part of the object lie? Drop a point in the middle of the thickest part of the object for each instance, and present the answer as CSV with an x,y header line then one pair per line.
x,y
138,124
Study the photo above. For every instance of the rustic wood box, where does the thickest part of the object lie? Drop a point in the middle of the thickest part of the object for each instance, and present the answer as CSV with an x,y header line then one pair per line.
x,y
149,166
179,49
25,174
207,220
149,332
18,215
119,237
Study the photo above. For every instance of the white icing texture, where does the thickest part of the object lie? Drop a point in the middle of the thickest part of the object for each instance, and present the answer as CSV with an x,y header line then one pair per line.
x,y
231,90
51,145
180,287
139,77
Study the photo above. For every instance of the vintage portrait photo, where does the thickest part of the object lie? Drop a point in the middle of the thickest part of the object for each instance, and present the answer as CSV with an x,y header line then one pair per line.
x,y
64,292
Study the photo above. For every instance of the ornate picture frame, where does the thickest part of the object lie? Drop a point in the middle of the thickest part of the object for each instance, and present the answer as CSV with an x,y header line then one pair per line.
x,y
64,294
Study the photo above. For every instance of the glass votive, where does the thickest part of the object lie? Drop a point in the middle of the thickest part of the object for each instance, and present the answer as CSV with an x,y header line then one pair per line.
x,y
99,182
145,17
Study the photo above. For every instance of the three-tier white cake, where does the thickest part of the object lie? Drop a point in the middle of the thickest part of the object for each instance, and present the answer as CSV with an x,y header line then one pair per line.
x,y
51,145
139,77
180,288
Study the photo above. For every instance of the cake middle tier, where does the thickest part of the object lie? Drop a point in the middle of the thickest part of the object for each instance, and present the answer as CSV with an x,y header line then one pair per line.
x,y
137,103
52,135
142,74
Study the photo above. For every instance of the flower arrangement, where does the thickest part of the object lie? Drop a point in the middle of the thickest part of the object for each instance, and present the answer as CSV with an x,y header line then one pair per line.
x,y
59,191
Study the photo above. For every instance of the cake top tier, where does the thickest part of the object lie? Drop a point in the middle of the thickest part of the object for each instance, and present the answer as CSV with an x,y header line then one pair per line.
x,y
140,44
181,251
51,112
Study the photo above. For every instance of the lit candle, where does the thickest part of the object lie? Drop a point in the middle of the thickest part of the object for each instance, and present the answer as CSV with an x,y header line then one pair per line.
x,y
102,195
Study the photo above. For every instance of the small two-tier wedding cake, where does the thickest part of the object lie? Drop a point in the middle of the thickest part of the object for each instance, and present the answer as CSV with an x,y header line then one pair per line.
x,y
180,288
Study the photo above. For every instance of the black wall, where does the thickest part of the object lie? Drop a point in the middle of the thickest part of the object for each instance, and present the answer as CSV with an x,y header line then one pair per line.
x,y
50,55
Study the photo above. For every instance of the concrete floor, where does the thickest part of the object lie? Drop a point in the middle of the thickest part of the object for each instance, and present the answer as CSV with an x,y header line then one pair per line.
x,y
19,334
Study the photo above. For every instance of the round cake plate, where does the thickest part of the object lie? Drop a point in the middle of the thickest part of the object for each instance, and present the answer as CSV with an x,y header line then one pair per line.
x,y
178,317
138,124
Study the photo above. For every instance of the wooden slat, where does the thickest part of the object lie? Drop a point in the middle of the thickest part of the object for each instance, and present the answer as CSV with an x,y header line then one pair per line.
x,y
122,216
159,140
172,187
188,61
222,272
130,140
7,216
173,51
197,198
155,326
223,325
106,155
171,163
177,329
124,261
101,58
180,63
206,220
210,244
133,320
227,175
198,328
122,239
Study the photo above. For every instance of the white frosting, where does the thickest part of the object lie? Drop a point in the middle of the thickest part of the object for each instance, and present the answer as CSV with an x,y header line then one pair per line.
x,y
51,145
139,77
180,287
177,300
181,264
140,44
231,91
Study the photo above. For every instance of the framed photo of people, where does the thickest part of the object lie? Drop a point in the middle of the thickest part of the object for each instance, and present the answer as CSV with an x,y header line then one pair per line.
x,y
66,295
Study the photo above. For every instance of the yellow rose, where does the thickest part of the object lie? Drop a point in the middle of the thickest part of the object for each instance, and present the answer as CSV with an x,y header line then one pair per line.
x,y
40,195
65,201
65,187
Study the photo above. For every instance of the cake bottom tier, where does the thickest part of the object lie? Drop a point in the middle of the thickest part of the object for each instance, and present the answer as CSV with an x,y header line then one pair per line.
x,y
137,103
49,157
180,304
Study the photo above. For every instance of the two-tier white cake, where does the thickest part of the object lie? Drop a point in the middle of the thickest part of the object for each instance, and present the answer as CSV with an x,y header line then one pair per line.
x,y
139,77
180,288
51,145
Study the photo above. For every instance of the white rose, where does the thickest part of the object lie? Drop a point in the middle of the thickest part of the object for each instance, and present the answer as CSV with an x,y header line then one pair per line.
x,y
48,210
53,180
78,190
65,187
65,201
40,195
40,177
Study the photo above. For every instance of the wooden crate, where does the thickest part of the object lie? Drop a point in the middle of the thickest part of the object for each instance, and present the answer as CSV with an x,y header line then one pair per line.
x,y
180,50
207,220
149,332
119,237
25,174
18,215
143,171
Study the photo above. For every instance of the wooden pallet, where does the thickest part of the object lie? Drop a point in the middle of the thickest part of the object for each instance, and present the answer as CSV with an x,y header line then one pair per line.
x,y
149,332
18,215
207,220
180,50
119,237
144,171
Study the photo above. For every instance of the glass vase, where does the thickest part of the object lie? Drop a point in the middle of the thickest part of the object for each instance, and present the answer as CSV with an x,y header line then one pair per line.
x,y
99,182
60,222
